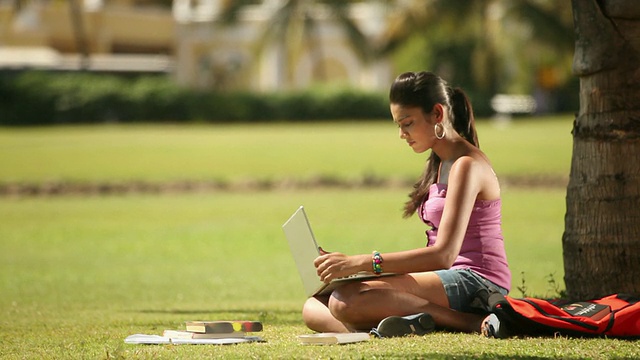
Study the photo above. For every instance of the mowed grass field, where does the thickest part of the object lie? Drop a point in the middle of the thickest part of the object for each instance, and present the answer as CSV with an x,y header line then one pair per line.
x,y
230,152
80,273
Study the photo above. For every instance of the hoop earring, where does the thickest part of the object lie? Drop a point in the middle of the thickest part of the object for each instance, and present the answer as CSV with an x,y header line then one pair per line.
x,y
439,136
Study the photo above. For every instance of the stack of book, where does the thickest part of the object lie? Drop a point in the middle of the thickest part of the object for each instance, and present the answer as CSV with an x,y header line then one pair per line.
x,y
238,329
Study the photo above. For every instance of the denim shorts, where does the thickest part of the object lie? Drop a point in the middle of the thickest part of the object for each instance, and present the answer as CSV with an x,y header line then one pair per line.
x,y
461,286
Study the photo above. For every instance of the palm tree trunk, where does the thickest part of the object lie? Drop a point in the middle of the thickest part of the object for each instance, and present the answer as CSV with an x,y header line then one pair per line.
x,y
601,242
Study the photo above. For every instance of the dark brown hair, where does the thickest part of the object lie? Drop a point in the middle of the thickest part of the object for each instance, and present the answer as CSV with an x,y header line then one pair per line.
x,y
424,90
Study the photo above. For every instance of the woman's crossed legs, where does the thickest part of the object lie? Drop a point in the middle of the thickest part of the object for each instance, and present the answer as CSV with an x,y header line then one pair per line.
x,y
362,305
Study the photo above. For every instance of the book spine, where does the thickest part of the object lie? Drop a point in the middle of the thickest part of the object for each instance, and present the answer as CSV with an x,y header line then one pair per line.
x,y
224,327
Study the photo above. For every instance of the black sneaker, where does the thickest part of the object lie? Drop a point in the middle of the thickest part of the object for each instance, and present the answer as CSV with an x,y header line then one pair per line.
x,y
393,326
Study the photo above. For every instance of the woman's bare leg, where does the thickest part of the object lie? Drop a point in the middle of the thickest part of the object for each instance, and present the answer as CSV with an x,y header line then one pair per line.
x,y
363,305
359,315
317,317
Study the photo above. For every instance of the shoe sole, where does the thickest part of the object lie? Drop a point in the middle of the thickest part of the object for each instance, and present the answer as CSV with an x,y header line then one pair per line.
x,y
395,326
491,327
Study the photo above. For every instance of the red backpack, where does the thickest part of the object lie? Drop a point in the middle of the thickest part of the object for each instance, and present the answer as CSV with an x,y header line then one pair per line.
x,y
615,315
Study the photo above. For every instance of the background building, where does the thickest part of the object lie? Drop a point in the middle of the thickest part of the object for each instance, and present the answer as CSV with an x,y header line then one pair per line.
x,y
187,40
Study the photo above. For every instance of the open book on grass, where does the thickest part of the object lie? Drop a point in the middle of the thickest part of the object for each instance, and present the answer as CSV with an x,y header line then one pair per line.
x,y
333,338
161,340
203,332
182,334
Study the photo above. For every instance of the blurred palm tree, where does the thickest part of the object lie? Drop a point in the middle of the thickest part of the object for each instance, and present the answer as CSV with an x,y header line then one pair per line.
x,y
294,29
486,46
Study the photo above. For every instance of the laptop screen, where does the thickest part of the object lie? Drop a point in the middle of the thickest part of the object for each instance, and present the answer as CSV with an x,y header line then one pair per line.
x,y
304,249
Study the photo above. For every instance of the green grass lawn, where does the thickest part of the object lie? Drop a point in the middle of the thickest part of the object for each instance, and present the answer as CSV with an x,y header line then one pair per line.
x,y
80,273
231,152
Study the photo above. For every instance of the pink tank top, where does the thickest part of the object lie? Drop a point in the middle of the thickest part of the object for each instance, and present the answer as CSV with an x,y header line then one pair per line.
x,y
483,246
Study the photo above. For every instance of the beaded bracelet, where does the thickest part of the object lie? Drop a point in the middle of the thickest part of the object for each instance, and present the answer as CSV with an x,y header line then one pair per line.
x,y
377,262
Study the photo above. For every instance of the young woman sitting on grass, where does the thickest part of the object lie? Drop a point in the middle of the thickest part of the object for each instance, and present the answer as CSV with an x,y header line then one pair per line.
x,y
458,196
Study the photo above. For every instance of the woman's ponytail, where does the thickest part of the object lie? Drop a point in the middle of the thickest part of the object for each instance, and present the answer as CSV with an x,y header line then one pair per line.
x,y
463,119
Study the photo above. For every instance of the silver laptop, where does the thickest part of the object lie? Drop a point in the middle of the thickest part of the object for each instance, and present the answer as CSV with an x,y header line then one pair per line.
x,y
305,249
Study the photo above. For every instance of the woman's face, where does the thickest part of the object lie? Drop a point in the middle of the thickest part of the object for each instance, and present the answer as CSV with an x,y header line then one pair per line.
x,y
416,127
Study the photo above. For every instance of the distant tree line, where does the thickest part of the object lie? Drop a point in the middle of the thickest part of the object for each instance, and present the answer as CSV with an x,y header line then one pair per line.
x,y
43,98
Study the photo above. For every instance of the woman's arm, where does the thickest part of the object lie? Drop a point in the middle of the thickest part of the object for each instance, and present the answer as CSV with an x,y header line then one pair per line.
x,y
465,182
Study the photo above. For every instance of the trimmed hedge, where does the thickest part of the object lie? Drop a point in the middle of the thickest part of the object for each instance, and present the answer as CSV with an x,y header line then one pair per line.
x,y
48,98
42,98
